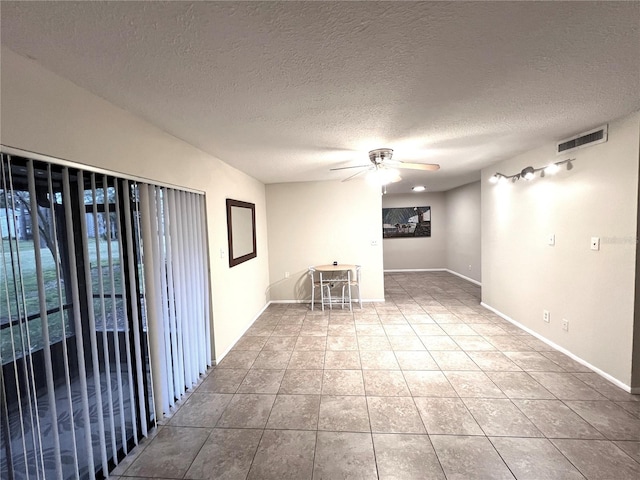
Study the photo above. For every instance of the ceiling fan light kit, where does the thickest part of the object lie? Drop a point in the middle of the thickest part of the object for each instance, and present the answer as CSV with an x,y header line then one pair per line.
x,y
384,170
383,176
379,155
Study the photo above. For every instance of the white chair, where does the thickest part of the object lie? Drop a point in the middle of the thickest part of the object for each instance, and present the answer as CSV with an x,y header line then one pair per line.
x,y
350,285
315,283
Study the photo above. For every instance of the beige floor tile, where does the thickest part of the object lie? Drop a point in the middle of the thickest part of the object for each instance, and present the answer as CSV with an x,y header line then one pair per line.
x,y
247,410
387,383
520,385
394,415
378,360
500,417
295,412
428,384
374,343
473,384
261,381
555,420
406,343
342,360
469,458
453,360
406,457
566,386
170,453
446,416
272,360
341,413
493,362
311,343
284,344
342,343
342,382
284,455
416,360
472,343
306,360
238,359
223,380
610,419
201,410
535,459
301,382
344,455
227,454
438,342
598,459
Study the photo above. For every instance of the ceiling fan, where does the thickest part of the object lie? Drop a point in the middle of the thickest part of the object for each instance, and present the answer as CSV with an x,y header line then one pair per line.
x,y
385,168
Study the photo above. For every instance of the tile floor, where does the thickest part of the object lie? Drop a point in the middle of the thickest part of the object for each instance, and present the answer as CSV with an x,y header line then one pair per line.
x,y
429,385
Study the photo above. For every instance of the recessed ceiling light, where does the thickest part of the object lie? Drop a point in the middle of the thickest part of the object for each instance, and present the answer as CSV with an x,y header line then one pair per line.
x,y
419,188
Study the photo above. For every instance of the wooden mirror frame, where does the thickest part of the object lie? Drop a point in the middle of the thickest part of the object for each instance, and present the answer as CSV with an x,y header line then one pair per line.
x,y
235,230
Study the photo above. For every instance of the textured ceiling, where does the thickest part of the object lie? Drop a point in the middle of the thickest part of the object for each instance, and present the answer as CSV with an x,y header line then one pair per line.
x,y
286,90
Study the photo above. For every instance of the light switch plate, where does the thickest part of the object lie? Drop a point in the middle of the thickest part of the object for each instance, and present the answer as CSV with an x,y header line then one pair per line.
x,y
551,240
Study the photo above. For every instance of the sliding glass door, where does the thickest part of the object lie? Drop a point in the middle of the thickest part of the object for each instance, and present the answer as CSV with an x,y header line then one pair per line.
x,y
104,281
75,381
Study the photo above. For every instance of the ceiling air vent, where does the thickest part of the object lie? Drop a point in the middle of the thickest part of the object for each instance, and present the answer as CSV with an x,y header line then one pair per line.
x,y
586,139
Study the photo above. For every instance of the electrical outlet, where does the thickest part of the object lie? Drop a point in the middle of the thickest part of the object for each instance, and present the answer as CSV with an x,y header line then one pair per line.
x,y
595,243
374,243
286,274
551,239
565,324
546,316
469,267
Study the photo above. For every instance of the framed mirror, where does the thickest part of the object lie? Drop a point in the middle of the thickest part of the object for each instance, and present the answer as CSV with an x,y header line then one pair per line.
x,y
241,231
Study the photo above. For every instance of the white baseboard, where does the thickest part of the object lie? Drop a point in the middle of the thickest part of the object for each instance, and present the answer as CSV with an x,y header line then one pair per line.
x,y
219,358
464,277
603,374
288,301
402,270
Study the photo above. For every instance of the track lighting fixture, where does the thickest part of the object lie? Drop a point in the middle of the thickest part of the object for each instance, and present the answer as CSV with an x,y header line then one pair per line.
x,y
529,173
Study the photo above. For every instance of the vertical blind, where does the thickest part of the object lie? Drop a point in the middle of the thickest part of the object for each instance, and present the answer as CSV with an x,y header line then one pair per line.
x,y
176,280
104,281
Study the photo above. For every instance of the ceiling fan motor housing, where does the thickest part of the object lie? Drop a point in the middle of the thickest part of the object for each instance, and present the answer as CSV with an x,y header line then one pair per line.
x,y
379,155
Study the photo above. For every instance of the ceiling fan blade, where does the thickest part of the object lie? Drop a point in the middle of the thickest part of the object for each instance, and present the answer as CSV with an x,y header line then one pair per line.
x,y
355,175
415,166
345,168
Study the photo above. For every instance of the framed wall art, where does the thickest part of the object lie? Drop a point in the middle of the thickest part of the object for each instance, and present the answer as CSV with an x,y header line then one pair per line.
x,y
406,222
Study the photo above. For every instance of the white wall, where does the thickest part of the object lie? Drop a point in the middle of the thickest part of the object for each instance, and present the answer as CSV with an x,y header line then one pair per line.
x,y
421,252
314,223
463,230
44,113
522,275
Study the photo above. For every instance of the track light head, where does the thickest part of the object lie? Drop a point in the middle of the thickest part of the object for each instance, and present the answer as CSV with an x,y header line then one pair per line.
x,y
528,173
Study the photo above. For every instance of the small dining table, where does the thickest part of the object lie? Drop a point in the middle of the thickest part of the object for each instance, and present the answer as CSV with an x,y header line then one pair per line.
x,y
333,269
